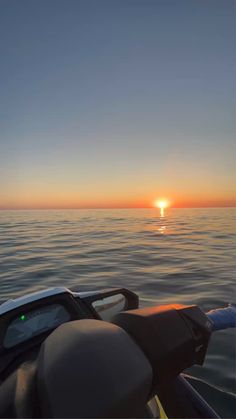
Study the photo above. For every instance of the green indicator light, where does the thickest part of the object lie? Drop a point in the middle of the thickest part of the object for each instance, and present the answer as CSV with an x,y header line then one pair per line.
x,y
22,317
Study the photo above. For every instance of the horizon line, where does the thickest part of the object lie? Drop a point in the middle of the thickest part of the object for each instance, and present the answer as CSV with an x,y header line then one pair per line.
x,y
114,208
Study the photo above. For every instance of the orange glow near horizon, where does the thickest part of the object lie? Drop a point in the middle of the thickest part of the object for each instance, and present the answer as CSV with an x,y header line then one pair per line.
x,y
68,202
73,197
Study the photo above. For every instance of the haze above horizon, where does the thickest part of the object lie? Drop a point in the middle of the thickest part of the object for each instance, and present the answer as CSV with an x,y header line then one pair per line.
x,y
114,104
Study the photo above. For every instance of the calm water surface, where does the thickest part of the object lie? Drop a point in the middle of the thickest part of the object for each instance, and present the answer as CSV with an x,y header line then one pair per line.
x,y
187,256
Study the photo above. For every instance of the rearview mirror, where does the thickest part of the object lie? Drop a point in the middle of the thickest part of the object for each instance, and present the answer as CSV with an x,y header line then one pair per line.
x,y
109,306
108,303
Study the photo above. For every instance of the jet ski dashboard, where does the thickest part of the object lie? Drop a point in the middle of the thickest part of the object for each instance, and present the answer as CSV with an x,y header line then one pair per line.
x,y
26,322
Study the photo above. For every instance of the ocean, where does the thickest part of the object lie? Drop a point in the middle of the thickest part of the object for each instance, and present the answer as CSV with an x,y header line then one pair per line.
x,y
187,256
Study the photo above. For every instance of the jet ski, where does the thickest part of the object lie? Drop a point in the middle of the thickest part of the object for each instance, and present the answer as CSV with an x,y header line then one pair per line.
x,y
96,354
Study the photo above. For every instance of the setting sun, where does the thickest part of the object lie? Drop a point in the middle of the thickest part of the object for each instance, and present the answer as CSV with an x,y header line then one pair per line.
x,y
161,203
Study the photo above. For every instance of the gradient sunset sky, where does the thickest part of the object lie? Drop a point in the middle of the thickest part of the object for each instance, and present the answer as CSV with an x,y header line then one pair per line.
x,y
114,103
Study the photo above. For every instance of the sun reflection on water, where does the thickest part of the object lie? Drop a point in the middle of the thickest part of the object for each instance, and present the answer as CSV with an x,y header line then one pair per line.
x,y
162,229
162,212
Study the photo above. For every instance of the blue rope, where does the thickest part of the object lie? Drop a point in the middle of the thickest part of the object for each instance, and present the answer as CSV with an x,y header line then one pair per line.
x,y
223,318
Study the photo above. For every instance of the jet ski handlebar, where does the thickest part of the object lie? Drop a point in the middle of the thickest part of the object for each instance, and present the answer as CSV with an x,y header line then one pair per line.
x,y
174,337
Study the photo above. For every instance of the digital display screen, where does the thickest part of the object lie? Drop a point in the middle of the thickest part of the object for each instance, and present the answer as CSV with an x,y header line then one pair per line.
x,y
35,322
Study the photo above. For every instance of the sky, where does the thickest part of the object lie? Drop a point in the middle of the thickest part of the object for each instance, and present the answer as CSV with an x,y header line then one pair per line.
x,y
115,103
